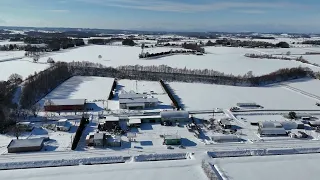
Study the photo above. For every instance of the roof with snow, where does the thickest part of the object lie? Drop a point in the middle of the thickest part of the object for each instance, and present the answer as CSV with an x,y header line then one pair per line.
x,y
20,143
134,121
273,131
174,136
140,100
64,102
132,96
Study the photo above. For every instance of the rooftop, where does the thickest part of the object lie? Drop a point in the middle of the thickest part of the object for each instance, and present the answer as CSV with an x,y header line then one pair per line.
x,y
132,96
18,143
139,100
174,136
174,114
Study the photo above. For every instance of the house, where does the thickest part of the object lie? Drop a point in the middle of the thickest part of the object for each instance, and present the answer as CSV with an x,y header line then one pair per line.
x,y
269,124
174,116
25,145
113,141
171,140
53,105
272,132
289,125
99,139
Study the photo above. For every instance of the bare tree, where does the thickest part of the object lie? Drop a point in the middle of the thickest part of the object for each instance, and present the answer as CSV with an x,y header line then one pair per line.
x,y
17,131
99,56
15,78
35,109
36,58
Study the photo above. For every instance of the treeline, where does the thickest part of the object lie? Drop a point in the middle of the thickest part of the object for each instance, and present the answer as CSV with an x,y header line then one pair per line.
x,y
148,55
99,41
54,43
7,90
251,44
270,56
39,85
193,46
312,42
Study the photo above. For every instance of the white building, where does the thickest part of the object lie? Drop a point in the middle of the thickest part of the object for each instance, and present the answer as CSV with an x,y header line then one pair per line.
x,y
136,101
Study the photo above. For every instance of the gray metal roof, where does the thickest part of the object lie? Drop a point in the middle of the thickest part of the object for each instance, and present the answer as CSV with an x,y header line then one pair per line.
x,y
225,122
141,100
64,102
172,136
132,96
98,136
135,104
174,114
18,143
272,131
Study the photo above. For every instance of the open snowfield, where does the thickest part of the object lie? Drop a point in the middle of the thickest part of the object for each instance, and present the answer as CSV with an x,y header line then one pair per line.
x,y
23,68
308,85
146,87
11,42
223,59
286,167
10,54
196,96
83,87
169,170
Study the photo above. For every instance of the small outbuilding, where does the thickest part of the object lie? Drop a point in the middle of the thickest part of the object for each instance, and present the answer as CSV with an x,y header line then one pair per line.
x,y
174,116
225,123
289,125
172,140
25,145
134,122
99,139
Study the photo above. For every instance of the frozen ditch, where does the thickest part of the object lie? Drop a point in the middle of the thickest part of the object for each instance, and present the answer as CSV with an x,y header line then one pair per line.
x,y
161,157
62,162
262,152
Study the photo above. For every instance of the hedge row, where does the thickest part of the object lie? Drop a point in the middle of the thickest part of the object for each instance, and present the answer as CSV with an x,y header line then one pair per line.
x,y
174,101
79,132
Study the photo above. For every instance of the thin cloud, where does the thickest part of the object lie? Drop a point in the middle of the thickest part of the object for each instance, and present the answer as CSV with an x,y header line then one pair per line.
x,y
58,10
250,11
162,5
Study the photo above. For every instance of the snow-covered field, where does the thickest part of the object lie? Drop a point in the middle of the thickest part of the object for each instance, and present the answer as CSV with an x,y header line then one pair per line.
x,y
146,87
270,167
185,170
308,85
23,68
83,87
196,96
223,59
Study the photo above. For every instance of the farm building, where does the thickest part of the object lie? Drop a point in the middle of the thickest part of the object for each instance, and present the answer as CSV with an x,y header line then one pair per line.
x,y
272,132
269,124
132,96
289,125
225,138
174,116
139,103
134,122
64,104
171,140
99,139
25,145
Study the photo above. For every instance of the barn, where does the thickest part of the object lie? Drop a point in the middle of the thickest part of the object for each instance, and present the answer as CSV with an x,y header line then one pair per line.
x,y
64,105
174,116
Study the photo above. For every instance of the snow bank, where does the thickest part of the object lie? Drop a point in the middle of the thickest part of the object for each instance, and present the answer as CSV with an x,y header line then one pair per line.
x,y
62,162
263,152
209,171
161,157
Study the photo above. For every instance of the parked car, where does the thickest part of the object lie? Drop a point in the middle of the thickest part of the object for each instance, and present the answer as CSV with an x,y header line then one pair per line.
x,y
170,147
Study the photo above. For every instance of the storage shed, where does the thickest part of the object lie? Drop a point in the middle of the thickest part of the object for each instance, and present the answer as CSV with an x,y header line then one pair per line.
x,y
172,140
64,105
25,145
272,132
179,116
289,125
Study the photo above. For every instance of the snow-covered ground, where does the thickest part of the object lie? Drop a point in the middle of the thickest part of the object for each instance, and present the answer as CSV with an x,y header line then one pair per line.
x,y
10,54
23,68
6,42
186,170
223,59
94,89
196,96
270,167
146,87
307,85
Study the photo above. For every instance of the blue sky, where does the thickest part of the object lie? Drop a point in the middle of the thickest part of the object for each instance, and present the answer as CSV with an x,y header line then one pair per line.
x,y
180,15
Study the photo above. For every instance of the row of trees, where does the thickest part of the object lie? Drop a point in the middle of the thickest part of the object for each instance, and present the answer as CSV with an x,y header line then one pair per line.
x,y
39,85
193,46
251,44
312,42
148,55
